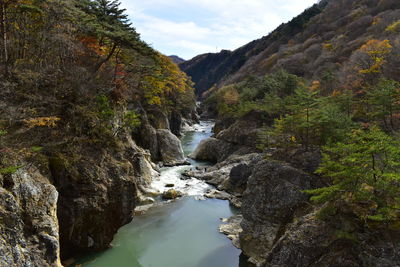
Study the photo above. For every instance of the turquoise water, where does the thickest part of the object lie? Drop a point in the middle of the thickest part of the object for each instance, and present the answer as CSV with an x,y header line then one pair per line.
x,y
183,233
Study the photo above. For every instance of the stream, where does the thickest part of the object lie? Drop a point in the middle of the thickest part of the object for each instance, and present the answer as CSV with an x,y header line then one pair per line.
x,y
180,233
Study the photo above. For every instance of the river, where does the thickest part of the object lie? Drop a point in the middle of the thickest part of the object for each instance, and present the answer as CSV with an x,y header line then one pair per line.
x,y
181,233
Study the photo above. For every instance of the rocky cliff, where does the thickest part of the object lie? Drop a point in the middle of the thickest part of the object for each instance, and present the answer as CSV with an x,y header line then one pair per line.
x,y
70,198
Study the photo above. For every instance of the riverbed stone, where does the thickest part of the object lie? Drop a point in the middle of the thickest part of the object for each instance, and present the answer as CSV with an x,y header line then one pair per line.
x,y
171,194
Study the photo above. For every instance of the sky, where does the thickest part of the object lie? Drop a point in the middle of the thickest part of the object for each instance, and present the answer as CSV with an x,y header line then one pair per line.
x,y
187,28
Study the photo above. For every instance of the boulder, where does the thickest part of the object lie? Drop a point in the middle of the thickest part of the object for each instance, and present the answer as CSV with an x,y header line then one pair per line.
x,y
171,194
272,198
213,150
313,242
245,131
170,148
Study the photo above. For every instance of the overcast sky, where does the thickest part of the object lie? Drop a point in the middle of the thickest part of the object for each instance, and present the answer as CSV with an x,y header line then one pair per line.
x,y
190,27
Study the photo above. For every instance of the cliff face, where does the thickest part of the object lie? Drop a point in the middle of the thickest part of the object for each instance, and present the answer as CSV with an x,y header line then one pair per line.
x,y
28,224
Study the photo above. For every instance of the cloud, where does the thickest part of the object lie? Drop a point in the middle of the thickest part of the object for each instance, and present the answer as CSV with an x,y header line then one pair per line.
x,y
190,27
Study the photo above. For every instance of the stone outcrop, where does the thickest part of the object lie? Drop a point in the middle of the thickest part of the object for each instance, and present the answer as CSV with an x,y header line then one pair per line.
x,y
28,220
312,242
170,148
232,229
240,137
272,199
216,150
246,130
98,194
230,175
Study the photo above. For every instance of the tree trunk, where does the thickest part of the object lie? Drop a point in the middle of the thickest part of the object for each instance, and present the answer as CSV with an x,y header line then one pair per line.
x,y
4,35
98,66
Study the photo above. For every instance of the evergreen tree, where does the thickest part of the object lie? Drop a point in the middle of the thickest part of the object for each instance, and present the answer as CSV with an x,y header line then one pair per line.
x,y
365,174
384,99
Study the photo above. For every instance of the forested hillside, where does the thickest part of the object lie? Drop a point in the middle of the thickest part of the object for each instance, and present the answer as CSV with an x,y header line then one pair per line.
x,y
316,44
76,83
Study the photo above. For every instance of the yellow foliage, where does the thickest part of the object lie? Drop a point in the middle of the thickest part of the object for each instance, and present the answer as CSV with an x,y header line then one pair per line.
x,y
394,27
231,96
166,80
377,50
315,85
42,122
328,46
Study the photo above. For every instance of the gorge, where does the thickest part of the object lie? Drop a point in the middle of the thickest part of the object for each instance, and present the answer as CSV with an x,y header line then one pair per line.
x,y
107,157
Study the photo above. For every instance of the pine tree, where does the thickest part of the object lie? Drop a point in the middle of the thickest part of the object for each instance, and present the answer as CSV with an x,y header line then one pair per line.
x,y
365,174
384,99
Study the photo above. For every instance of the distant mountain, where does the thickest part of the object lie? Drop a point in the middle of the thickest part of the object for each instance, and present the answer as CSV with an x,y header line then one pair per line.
x,y
318,41
177,60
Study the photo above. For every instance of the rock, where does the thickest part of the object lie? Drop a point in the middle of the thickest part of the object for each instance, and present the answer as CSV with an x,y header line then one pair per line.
x,y
143,199
28,220
234,201
271,200
312,242
222,176
140,210
215,150
176,123
307,160
169,185
212,150
98,192
171,194
218,194
158,119
147,138
231,228
222,124
170,148
246,130
239,176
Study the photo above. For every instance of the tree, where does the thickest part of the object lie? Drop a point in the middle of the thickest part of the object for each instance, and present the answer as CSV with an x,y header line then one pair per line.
x,y
301,106
365,176
106,21
384,99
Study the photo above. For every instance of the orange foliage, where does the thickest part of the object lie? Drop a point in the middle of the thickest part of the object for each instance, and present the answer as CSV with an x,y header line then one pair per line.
x,y
92,44
377,50
42,122
315,85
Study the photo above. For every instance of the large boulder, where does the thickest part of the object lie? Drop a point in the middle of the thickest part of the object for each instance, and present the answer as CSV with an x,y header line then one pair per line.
x,y
170,148
313,242
245,131
28,220
271,200
216,150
